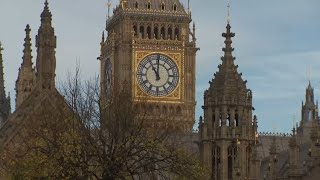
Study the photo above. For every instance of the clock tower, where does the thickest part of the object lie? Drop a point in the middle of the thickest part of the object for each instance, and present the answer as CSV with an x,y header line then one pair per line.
x,y
150,52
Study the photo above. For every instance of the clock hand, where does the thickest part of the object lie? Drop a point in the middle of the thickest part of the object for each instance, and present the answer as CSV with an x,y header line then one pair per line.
x,y
154,69
158,76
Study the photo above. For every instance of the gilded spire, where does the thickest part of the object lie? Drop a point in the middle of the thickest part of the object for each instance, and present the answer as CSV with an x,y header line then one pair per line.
x,y
27,57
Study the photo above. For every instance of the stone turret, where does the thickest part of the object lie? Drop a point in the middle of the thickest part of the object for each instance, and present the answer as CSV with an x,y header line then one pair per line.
x,y
26,78
228,131
46,44
309,113
5,107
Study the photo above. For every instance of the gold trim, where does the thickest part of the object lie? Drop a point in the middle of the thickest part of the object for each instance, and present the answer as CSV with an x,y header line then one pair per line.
x,y
175,95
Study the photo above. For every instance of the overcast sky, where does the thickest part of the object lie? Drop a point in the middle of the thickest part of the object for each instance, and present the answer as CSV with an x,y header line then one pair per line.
x,y
276,41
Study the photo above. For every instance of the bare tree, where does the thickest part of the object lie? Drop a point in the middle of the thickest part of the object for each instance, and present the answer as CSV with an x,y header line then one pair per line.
x,y
98,140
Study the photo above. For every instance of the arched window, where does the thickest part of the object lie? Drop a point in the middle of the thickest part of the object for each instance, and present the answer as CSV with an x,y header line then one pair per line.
x,y
141,31
232,154
236,119
163,32
136,5
175,7
216,162
309,115
156,32
163,6
149,32
149,5
176,33
213,119
170,33
220,120
135,29
228,120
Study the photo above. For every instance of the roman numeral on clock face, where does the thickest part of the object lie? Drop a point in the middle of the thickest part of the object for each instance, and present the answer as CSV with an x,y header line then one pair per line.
x,y
157,75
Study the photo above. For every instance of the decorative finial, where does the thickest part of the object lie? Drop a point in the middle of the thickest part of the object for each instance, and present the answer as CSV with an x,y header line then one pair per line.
x,y
102,40
294,120
1,48
46,3
309,73
228,18
109,6
189,6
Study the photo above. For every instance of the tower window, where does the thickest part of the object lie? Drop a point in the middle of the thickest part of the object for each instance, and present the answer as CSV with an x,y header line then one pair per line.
x,y
137,5
170,33
149,5
156,31
135,29
149,32
176,33
236,120
141,31
228,120
175,7
163,31
163,7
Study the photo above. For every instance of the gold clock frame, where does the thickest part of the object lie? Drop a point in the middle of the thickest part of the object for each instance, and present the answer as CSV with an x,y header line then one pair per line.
x,y
176,95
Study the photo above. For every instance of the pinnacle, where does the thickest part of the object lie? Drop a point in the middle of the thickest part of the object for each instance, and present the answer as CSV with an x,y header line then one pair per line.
x,y
46,12
27,48
1,48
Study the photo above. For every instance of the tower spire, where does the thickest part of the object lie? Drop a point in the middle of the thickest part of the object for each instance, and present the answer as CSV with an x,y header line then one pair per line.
x,y
5,107
46,44
26,77
228,17
27,57
109,6
2,91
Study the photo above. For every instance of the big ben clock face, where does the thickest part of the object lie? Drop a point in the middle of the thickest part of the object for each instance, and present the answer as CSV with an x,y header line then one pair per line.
x,y
108,78
157,75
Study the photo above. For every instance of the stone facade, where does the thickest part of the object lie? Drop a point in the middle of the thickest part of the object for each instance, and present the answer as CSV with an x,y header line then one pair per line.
x,y
137,30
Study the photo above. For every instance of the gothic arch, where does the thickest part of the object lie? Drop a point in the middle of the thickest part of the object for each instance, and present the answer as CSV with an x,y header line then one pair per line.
x,y
163,33
135,29
170,33
174,7
149,32
156,32
149,5
232,155
216,162
176,34
163,6
141,30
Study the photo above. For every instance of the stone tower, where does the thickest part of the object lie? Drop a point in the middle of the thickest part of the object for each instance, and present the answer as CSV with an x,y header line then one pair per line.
x,y
26,77
46,44
5,107
151,50
228,130
309,113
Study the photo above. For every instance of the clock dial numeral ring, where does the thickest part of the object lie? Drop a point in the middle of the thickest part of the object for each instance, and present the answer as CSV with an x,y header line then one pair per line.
x,y
157,75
